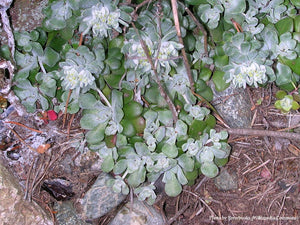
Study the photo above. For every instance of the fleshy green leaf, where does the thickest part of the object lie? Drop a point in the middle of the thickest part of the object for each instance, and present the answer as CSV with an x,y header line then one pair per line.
x,y
209,169
173,187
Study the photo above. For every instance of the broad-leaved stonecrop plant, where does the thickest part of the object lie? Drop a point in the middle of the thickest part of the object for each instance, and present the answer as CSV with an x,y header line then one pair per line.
x,y
126,78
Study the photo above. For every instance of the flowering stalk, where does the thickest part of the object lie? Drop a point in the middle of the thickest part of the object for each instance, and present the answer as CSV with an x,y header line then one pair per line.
x,y
160,87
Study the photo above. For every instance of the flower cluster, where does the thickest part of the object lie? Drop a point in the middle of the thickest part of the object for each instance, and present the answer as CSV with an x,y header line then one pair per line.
x,y
76,76
251,75
101,20
138,55
165,54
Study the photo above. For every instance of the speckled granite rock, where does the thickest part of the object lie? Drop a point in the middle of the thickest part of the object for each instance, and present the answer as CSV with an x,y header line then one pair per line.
x,y
234,106
13,208
226,181
100,199
141,214
66,214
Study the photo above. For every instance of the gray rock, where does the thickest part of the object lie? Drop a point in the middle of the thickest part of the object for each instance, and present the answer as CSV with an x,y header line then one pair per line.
x,y
66,214
233,105
13,208
226,181
138,213
100,199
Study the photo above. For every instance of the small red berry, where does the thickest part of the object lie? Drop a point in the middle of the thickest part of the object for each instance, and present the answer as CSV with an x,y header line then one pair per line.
x,y
52,115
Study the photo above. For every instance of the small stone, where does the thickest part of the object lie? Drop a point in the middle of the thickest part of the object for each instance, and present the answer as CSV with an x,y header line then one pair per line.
x,y
138,213
66,214
226,181
13,208
234,106
100,199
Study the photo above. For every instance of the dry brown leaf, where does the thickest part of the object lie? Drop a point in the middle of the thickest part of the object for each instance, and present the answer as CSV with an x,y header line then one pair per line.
x,y
294,150
42,148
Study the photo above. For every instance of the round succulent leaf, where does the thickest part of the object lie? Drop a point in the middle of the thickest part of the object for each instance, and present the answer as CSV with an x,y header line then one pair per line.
x,y
220,161
120,166
218,79
292,63
87,101
205,74
117,42
191,175
173,187
209,169
165,117
280,94
123,151
295,105
107,164
200,85
137,177
284,75
297,18
170,150
207,155
285,25
207,94
211,121
196,129
96,135
48,87
113,63
128,128
221,151
50,57
181,177
5,52
139,124
121,140
221,61
186,162
160,133
132,110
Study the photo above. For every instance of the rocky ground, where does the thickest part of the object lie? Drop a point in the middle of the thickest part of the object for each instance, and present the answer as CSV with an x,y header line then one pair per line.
x,y
47,176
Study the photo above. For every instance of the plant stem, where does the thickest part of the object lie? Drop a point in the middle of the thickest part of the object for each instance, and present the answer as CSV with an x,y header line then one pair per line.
x,y
102,96
66,108
42,66
158,81
185,59
201,28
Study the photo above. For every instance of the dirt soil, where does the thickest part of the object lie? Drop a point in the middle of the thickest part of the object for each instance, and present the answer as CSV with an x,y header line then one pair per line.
x,y
267,169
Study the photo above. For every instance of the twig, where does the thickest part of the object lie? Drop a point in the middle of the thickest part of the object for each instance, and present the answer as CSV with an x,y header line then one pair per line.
x,y
200,27
178,214
185,59
70,123
256,168
197,196
160,87
22,125
262,133
27,182
66,108
140,5
28,146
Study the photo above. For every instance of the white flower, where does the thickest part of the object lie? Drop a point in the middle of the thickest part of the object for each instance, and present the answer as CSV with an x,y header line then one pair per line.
x,y
252,75
73,79
101,20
